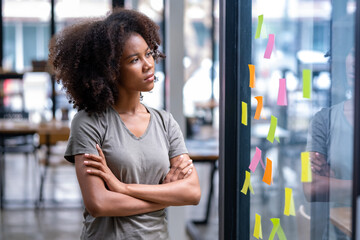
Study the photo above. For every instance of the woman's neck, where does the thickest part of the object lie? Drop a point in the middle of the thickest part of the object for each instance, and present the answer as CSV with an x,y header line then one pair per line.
x,y
128,103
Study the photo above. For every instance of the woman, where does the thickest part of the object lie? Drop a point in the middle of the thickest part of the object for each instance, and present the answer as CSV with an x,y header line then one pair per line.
x,y
122,149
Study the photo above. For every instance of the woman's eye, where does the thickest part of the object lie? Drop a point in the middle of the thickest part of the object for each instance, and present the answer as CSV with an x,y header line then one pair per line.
x,y
134,60
150,53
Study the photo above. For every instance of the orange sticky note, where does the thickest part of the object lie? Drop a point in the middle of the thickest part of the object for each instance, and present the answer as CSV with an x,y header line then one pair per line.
x,y
252,75
306,175
268,172
258,107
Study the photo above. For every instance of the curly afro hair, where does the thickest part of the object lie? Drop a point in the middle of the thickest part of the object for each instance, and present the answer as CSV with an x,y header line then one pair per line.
x,y
86,56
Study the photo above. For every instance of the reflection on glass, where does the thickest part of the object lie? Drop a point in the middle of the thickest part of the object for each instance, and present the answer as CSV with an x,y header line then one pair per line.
x,y
314,35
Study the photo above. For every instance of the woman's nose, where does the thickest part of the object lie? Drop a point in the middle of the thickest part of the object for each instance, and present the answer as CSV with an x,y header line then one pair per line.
x,y
148,64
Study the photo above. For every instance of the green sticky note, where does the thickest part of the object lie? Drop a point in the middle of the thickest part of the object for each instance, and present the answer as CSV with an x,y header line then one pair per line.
x,y
307,83
258,29
277,229
272,129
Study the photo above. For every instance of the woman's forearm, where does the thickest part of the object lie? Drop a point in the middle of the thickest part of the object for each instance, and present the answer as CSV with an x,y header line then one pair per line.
x,y
101,202
319,189
117,204
182,192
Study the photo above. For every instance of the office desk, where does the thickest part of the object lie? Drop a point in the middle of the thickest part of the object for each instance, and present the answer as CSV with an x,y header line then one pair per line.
x,y
341,218
49,133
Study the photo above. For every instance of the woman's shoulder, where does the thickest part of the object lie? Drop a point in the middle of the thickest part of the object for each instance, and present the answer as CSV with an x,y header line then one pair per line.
x,y
161,116
83,117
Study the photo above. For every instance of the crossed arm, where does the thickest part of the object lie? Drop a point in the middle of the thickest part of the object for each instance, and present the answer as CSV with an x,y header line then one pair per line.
x,y
180,187
323,178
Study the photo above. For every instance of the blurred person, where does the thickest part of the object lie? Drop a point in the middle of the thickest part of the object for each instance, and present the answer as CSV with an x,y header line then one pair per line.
x,y
122,149
330,143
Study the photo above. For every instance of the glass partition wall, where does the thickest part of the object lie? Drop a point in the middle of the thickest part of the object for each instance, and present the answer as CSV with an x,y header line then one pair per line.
x,y
293,119
303,55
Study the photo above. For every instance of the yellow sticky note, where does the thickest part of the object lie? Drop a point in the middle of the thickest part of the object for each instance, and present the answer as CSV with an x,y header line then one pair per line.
x,y
252,75
306,175
257,228
247,184
277,229
244,113
258,107
267,178
289,208
272,129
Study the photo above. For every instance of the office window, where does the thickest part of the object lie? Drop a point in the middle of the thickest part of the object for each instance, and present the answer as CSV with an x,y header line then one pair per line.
x,y
26,33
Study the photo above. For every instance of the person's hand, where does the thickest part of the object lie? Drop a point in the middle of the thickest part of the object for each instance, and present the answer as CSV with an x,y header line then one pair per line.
x,y
96,165
320,166
181,167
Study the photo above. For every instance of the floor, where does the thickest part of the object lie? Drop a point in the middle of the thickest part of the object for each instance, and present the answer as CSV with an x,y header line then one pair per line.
x,y
60,216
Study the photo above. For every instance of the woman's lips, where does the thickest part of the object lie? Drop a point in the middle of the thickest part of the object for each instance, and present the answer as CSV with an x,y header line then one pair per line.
x,y
150,78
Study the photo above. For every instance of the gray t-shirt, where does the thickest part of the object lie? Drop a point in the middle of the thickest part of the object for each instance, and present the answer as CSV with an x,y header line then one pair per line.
x,y
331,134
141,160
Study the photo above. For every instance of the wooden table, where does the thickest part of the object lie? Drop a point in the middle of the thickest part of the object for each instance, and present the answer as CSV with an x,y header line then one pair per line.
x,y
341,218
49,133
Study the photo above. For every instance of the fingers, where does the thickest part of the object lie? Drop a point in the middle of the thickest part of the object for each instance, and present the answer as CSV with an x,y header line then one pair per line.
x,y
101,154
182,166
186,171
94,164
96,172
93,157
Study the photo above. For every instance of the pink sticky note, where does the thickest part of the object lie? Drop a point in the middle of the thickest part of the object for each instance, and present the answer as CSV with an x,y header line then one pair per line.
x,y
255,160
269,46
282,98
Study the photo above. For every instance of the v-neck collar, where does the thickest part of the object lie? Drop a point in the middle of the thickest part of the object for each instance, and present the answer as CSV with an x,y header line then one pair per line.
x,y
128,130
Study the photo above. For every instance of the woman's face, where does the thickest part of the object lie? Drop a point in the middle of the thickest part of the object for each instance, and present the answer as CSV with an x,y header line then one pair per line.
x,y
350,67
137,65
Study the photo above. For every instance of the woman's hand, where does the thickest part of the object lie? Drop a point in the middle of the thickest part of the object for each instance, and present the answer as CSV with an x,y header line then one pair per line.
x,y
180,168
320,166
96,165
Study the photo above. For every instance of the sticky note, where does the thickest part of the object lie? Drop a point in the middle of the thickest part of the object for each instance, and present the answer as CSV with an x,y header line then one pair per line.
x,y
269,46
282,98
289,208
258,29
306,83
252,75
267,178
258,107
272,129
244,113
257,228
255,160
247,184
277,229
306,175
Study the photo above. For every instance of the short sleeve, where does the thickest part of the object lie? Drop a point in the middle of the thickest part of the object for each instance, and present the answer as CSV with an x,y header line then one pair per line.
x,y
85,133
318,136
176,139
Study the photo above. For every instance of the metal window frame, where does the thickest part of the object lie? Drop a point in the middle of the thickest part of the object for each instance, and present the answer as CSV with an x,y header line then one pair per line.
x,y
235,55
356,154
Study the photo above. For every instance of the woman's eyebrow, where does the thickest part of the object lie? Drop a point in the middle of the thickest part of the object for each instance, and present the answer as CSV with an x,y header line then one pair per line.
x,y
135,54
